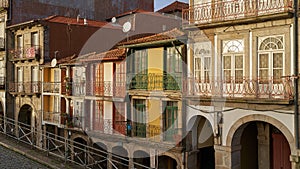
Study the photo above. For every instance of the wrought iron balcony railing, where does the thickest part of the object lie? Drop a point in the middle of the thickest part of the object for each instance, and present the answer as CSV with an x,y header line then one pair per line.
x,y
154,81
27,88
246,87
51,117
25,53
51,87
219,11
106,88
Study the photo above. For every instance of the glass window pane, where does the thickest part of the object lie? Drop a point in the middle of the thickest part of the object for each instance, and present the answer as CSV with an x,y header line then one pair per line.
x,y
263,61
277,60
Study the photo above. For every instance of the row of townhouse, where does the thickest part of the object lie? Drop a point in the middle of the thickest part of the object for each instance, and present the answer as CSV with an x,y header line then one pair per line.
x,y
127,100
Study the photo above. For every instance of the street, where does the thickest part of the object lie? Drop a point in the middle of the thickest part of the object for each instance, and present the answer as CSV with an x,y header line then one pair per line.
x,y
11,159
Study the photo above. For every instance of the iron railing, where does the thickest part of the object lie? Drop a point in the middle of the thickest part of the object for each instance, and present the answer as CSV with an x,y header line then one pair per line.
x,y
51,117
51,87
260,88
25,53
61,147
100,89
219,11
153,81
25,87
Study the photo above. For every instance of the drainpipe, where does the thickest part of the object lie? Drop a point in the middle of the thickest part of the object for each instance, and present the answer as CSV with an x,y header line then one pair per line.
x,y
296,109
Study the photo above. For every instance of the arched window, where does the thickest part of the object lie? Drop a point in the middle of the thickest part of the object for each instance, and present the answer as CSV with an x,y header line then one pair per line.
x,y
233,60
271,57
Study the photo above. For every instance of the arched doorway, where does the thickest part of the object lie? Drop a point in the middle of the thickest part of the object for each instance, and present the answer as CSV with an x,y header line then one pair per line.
x,y
166,162
99,155
142,158
202,142
120,157
25,114
79,151
264,143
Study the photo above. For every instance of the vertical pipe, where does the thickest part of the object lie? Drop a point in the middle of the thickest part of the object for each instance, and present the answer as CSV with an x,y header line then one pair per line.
x,y
296,115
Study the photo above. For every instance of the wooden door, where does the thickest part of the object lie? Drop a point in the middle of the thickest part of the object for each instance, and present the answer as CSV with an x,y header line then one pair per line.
x,y
280,152
119,121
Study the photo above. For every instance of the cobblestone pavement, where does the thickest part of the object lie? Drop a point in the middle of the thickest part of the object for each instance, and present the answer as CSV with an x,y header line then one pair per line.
x,y
14,155
10,159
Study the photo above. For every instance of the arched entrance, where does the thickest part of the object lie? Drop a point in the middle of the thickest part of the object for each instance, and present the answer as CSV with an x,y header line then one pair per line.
x,y
99,155
202,142
141,157
25,114
120,157
79,151
264,143
166,162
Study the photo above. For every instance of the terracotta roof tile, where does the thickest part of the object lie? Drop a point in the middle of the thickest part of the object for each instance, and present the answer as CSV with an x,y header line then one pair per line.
x,y
172,34
73,21
115,54
175,6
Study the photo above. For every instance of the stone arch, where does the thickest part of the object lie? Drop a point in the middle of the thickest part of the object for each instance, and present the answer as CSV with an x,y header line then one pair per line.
x,y
25,114
263,118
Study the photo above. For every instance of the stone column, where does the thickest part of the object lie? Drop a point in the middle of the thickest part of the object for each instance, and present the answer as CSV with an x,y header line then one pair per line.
x,y
295,161
227,157
263,138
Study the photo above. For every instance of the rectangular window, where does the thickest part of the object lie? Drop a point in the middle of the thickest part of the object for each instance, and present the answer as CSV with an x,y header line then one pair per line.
x,y
139,118
34,39
173,68
170,123
20,46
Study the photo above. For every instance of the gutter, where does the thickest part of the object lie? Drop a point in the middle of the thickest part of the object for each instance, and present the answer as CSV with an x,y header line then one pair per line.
x,y
296,72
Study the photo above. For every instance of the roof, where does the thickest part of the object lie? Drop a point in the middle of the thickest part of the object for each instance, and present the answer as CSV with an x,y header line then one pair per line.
x,y
129,13
169,35
114,54
175,6
74,21
67,20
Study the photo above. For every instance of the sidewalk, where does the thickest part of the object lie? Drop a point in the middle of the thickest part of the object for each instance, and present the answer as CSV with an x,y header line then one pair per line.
x,y
36,154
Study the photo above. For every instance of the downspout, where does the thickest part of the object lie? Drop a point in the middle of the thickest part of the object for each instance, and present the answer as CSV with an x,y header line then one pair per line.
x,y
296,109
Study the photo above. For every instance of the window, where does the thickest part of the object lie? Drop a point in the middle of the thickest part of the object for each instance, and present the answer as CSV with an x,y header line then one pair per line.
x,y
233,60
20,45
173,68
99,79
170,124
139,118
137,67
35,79
34,39
140,62
78,115
20,79
98,116
120,79
56,104
271,58
202,61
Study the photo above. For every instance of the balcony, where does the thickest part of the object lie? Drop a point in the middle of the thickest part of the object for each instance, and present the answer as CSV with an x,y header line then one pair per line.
x,y
25,88
51,117
51,87
25,53
155,82
252,88
221,11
